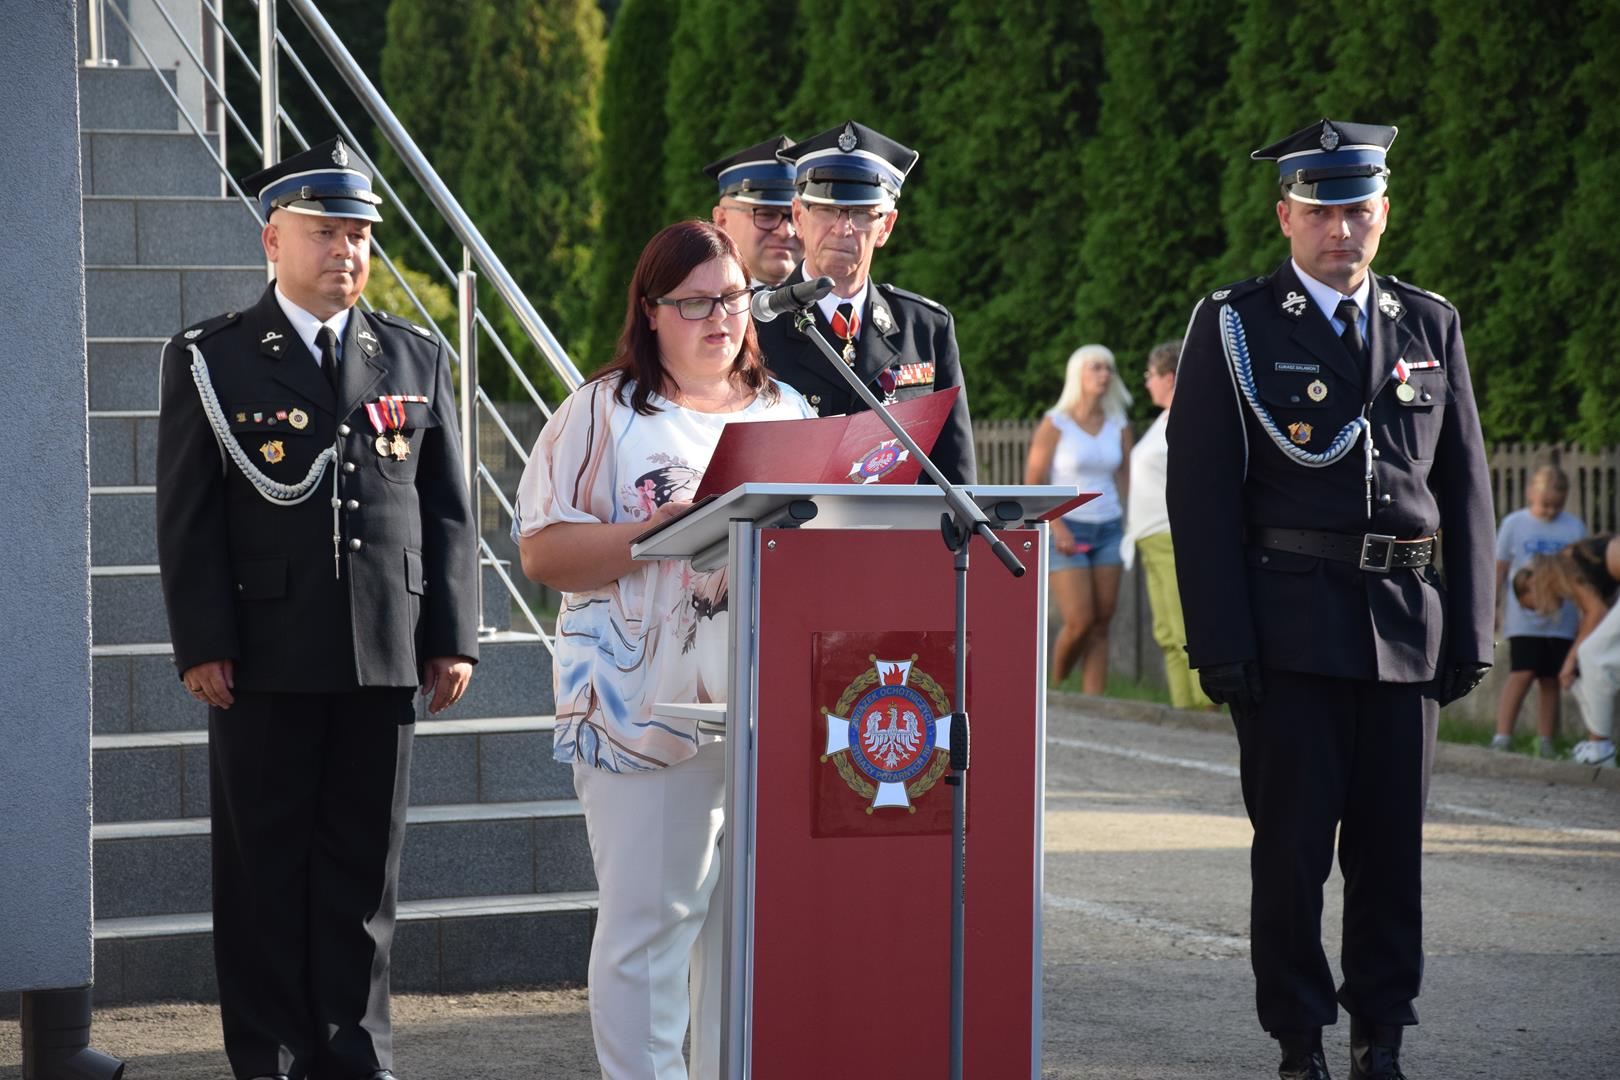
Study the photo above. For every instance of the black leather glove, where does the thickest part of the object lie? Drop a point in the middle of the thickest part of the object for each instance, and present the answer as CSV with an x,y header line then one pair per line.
x,y
1456,680
1236,685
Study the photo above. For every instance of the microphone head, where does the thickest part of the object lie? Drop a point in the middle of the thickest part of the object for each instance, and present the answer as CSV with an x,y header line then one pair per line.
x,y
760,306
822,286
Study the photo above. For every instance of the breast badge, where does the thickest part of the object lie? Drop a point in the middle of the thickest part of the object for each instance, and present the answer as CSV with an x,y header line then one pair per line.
x,y
298,418
1299,432
273,451
1317,390
889,734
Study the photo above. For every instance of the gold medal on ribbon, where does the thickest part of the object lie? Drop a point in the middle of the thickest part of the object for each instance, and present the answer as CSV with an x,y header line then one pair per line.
x,y
401,446
1405,392
382,446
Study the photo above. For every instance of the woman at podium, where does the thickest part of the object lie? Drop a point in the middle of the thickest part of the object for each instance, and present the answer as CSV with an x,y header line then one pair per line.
x,y
623,453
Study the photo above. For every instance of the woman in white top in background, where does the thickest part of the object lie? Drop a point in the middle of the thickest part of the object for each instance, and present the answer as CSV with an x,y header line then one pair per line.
x,y
1147,531
1085,440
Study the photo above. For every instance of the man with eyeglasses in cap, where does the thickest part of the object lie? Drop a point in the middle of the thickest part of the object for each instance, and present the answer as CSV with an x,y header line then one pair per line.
x,y
755,208
900,344
1325,451
318,557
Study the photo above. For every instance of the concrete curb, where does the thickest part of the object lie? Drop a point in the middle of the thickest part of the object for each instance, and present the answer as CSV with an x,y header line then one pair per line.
x,y
1448,757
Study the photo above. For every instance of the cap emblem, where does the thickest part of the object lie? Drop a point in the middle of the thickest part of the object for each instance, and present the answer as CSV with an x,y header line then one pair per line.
x,y
340,155
847,140
1330,138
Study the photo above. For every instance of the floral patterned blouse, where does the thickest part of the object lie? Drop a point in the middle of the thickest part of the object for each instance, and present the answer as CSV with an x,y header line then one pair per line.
x,y
658,634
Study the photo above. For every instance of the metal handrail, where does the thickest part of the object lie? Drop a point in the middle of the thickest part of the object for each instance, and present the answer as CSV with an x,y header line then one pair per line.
x,y
434,187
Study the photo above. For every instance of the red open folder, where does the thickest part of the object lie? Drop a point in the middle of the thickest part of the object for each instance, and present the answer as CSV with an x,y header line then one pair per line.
x,y
855,449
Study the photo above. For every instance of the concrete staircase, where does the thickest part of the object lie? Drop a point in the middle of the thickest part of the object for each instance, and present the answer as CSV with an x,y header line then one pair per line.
x,y
497,886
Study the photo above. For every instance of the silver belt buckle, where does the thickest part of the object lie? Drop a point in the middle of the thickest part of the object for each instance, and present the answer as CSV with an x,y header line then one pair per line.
x,y
1373,566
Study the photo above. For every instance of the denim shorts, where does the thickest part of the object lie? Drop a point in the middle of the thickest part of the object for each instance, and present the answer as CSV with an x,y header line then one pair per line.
x,y
1096,544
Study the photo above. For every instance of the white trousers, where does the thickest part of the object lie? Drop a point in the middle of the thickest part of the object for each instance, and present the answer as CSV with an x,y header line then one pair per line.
x,y
656,958
1599,684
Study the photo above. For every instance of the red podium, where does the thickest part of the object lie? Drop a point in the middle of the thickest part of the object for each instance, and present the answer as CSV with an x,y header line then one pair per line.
x,y
838,824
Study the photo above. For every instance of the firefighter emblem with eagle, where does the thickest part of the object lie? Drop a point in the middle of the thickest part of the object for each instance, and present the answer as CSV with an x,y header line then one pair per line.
x,y
889,735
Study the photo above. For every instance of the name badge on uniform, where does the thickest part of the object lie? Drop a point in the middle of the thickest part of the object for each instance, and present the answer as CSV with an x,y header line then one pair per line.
x,y
1308,369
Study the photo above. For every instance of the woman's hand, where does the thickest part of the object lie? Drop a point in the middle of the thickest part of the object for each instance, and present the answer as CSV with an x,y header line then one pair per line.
x,y
1062,538
1568,673
668,512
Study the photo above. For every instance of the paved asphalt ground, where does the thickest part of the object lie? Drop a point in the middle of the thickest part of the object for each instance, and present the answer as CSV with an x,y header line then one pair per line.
x,y
1147,975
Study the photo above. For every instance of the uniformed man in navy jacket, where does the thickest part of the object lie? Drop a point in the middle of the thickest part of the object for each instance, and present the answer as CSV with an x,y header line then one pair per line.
x,y
901,344
318,556
1329,495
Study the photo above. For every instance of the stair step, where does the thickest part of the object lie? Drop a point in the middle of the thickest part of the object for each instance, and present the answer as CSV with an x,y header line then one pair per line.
x,y
141,301
126,98
440,946
164,775
124,371
486,849
137,690
156,162
170,231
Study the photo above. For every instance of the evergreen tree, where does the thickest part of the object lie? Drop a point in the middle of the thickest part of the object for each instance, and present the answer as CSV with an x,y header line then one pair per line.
x,y
1487,234
1151,174
424,80
630,180
1582,258
992,228
528,173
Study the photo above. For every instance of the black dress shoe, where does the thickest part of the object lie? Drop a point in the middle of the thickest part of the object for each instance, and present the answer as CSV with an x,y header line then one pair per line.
x,y
1302,1057
1375,1051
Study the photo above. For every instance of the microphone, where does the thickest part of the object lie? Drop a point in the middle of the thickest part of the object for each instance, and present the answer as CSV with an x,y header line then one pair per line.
x,y
767,304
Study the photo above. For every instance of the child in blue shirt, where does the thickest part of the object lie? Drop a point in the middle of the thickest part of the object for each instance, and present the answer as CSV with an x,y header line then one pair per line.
x,y
1537,644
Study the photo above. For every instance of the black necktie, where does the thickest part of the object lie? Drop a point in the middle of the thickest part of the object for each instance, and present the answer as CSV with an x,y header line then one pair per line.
x,y
1349,314
329,361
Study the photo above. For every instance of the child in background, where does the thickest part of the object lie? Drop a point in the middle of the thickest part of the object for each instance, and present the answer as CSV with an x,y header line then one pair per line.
x,y
1537,644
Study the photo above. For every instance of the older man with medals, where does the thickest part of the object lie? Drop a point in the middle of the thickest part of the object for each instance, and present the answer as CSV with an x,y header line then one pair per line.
x,y
1325,462
318,557
900,343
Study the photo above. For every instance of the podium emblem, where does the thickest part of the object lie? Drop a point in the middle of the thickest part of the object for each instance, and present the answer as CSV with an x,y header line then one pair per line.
x,y
885,736
878,462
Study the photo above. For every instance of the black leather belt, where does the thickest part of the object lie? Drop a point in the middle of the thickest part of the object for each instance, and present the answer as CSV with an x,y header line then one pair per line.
x,y
1372,552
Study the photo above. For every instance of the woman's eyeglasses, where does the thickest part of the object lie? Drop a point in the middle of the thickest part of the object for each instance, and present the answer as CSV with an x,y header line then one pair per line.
x,y
696,308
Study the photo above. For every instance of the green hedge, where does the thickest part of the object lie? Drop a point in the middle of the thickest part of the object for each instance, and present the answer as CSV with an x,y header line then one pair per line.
x,y
1085,172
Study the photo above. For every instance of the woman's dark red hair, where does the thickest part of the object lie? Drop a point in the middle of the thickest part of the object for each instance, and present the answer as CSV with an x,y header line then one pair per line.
x,y
665,262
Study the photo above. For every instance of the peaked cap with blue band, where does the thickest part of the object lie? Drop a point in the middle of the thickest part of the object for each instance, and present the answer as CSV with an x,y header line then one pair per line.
x,y
327,180
756,175
851,165
1332,163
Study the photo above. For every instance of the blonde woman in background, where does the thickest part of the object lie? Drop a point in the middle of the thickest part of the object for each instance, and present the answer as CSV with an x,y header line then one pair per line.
x,y
1147,531
1085,440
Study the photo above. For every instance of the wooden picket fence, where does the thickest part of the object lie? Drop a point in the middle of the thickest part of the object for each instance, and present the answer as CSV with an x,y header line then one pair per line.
x,y
1594,475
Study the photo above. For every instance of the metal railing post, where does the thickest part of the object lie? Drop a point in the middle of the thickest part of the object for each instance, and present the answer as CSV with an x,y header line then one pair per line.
x,y
269,98
96,31
467,323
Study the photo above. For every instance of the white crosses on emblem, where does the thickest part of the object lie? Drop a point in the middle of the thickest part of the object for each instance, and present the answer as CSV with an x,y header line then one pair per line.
x,y
340,155
1330,138
1389,305
847,140
881,318
1294,304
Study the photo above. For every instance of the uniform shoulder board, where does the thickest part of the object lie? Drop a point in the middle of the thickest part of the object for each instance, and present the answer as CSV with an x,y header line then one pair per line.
x,y
1415,290
1239,288
907,294
194,334
398,323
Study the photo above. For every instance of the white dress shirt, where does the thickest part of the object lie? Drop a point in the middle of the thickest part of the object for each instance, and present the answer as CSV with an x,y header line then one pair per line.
x,y
308,325
1327,299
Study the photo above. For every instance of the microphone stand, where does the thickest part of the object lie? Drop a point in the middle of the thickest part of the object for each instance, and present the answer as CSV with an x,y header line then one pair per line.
x,y
957,528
